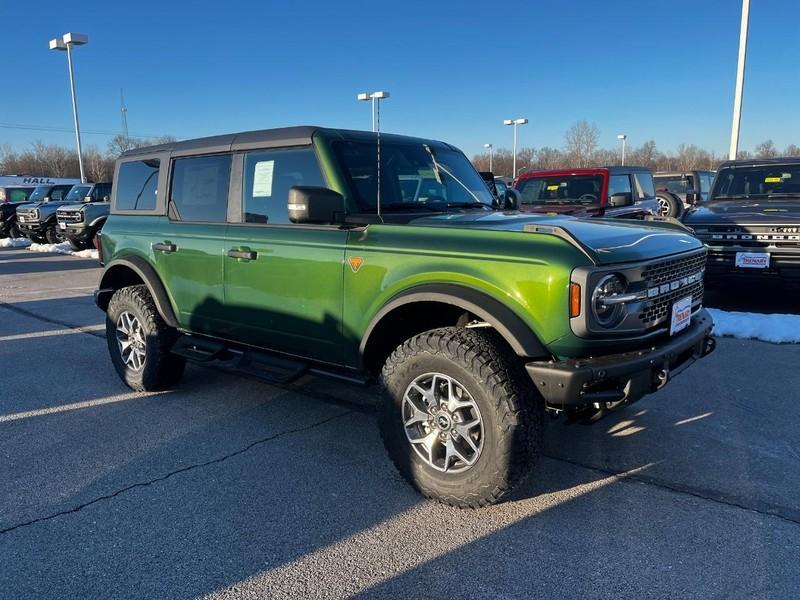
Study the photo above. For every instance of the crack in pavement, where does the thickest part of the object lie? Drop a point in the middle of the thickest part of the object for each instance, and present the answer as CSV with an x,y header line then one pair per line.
x,y
141,484
766,510
783,513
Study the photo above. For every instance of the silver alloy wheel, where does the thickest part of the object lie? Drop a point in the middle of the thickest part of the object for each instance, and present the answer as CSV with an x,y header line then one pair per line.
x,y
663,207
442,422
131,341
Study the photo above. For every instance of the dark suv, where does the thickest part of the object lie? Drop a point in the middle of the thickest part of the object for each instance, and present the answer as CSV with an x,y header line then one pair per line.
x,y
36,219
751,220
620,192
678,190
80,222
292,251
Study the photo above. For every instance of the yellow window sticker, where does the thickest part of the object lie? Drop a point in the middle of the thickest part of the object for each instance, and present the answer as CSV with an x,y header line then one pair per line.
x,y
552,188
772,180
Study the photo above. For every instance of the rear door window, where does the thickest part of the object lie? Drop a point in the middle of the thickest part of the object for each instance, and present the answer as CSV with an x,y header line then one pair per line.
x,y
137,184
199,190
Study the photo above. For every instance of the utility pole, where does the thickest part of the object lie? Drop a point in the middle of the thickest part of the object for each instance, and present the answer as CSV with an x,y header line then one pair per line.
x,y
737,97
124,112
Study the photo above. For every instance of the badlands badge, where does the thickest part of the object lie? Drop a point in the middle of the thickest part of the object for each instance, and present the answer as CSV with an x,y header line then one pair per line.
x,y
355,263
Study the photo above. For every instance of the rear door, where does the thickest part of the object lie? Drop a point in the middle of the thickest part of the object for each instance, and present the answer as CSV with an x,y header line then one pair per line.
x,y
283,281
188,246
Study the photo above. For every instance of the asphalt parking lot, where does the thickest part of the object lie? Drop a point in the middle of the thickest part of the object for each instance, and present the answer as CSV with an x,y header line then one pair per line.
x,y
229,487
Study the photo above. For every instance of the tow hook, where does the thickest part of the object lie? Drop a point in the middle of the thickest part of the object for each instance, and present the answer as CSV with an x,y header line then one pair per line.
x,y
661,378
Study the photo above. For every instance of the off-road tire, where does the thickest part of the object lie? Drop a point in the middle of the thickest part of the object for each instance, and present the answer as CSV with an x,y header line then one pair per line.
x,y
511,409
51,235
161,368
674,202
13,231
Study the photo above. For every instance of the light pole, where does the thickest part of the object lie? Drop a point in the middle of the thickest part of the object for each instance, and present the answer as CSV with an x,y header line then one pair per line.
x,y
489,147
67,41
376,98
622,137
737,97
515,122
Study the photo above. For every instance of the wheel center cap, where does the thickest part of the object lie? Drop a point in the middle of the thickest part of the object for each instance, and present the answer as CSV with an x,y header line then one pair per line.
x,y
443,421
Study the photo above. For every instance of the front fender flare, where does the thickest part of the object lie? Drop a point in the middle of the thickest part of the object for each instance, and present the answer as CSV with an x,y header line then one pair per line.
x,y
505,321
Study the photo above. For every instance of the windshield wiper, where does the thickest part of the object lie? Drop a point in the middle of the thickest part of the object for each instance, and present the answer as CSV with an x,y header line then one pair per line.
x,y
402,206
469,205
784,195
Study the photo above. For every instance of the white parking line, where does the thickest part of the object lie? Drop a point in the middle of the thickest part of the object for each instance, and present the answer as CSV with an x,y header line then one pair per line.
x,y
68,407
49,332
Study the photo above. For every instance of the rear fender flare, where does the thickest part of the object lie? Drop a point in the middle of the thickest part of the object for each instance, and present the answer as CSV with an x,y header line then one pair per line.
x,y
142,269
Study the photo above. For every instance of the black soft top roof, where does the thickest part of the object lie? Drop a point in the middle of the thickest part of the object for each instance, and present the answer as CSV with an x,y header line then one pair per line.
x,y
271,138
758,162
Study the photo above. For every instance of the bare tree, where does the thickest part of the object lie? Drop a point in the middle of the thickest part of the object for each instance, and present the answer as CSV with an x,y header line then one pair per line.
x,y
581,142
792,150
765,149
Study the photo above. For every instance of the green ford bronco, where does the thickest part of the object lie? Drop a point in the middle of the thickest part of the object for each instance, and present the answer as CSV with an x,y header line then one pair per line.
x,y
312,250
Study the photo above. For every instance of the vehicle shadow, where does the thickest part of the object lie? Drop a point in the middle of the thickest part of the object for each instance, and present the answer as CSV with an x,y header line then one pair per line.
x,y
758,297
63,263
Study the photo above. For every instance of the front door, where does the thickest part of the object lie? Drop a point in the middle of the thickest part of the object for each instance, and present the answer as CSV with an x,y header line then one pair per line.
x,y
283,281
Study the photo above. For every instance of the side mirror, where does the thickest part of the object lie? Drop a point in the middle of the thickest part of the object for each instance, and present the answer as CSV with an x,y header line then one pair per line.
x,y
691,196
310,204
107,198
621,199
88,199
511,199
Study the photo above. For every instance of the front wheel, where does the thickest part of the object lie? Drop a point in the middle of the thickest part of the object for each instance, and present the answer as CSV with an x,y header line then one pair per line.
x,y
52,235
139,341
460,419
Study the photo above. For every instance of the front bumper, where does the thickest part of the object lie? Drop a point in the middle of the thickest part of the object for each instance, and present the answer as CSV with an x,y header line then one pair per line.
x,y
784,264
31,228
622,377
76,231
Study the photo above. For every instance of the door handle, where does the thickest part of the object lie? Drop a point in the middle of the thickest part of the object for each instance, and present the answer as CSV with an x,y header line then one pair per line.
x,y
242,254
165,247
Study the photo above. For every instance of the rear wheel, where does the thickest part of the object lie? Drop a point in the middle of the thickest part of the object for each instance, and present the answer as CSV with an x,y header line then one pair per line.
x,y
140,342
669,205
460,419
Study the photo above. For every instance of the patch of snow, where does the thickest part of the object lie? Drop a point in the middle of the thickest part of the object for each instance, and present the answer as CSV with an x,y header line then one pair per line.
x,y
14,242
64,248
775,328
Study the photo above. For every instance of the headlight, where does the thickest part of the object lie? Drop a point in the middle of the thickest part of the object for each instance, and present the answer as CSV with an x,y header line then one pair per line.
x,y
35,214
607,307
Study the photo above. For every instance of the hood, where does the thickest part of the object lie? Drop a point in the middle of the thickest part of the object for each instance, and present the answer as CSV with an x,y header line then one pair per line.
x,y
744,212
605,241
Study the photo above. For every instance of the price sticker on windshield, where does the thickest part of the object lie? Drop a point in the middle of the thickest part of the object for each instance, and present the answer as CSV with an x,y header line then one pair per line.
x,y
681,315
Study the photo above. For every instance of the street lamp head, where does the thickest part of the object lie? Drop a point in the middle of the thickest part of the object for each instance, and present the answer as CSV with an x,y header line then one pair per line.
x,y
57,44
363,96
622,136
508,122
521,121
76,39
379,95
487,145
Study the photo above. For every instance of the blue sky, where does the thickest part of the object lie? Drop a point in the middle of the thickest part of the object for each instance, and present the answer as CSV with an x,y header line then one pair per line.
x,y
652,69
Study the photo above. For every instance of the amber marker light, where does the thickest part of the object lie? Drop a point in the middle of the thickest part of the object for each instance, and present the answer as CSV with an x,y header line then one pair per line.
x,y
574,300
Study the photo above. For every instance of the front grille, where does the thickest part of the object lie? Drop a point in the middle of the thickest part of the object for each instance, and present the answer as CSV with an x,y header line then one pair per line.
x,y
29,215
680,276
753,236
69,217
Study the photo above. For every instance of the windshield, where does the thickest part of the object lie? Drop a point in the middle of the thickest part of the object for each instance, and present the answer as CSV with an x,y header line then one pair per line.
x,y
40,193
561,189
412,177
761,182
78,193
